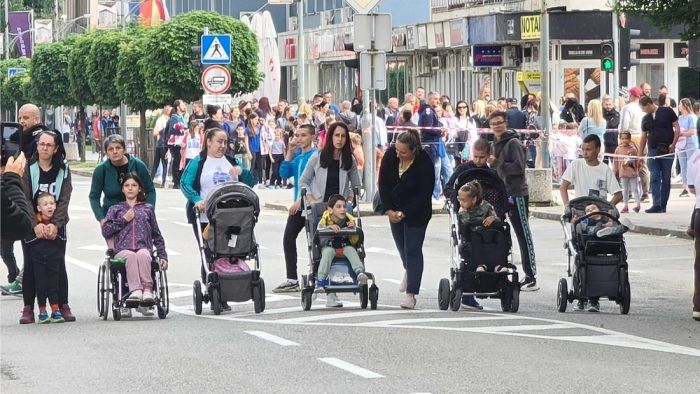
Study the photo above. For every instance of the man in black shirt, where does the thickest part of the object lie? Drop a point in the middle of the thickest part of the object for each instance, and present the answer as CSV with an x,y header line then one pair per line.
x,y
660,130
612,123
516,119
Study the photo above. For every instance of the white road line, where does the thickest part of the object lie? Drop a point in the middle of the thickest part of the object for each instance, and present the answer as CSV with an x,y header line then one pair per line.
x,y
473,318
394,281
172,252
352,368
272,338
95,247
374,249
178,294
347,315
82,264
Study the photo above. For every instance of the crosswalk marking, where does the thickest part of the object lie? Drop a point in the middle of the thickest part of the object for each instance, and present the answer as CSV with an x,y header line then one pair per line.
x,y
352,368
272,338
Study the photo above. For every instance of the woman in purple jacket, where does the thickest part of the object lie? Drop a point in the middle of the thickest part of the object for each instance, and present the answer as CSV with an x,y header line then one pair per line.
x,y
133,224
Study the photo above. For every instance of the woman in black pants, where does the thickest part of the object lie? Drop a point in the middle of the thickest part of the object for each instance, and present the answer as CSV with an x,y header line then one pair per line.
x,y
406,180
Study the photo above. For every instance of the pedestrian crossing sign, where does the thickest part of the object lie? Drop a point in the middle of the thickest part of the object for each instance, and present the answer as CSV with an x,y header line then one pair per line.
x,y
216,49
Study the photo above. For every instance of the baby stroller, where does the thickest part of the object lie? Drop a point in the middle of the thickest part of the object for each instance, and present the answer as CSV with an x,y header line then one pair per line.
x,y
342,278
470,248
600,264
112,284
232,209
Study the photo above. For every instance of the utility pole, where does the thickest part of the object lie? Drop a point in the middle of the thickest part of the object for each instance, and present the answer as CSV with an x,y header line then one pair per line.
x,y
616,56
544,72
301,53
7,29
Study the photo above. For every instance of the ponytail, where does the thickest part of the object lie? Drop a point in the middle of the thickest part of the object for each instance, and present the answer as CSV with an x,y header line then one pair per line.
x,y
411,138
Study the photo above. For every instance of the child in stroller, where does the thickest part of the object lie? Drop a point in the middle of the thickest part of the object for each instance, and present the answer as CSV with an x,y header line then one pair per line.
x,y
477,214
335,219
597,224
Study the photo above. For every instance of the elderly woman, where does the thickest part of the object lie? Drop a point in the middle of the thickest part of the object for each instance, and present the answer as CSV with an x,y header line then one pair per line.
x,y
406,181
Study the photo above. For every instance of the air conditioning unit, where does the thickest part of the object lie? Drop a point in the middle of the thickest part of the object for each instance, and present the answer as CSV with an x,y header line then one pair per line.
x,y
346,15
512,56
293,23
435,63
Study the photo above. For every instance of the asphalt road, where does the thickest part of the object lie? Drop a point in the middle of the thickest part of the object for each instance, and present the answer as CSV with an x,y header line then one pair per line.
x,y
656,348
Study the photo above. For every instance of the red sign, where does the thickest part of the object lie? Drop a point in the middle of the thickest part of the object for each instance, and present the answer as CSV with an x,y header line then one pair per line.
x,y
216,79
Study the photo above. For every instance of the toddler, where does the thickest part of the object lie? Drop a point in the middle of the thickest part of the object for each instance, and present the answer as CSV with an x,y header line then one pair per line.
x,y
476,213
47,256
627,170
277,150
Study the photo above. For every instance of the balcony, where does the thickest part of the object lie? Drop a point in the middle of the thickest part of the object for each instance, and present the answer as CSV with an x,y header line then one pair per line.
x,y
449,5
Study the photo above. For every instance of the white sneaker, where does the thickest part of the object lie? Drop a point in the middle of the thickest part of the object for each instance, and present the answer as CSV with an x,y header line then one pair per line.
x,y
145,311
148,297
402,285
332,301
409,301
136,295
362,278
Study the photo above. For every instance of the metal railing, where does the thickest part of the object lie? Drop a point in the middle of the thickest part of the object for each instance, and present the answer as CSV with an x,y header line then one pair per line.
x,y
446,5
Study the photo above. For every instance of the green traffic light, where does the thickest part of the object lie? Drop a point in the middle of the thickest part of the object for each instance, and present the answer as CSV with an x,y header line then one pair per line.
x,y
608,64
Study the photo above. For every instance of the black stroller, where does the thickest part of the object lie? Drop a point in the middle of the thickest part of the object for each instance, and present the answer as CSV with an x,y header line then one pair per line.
x,y
232,209
600,264
340,267
491,245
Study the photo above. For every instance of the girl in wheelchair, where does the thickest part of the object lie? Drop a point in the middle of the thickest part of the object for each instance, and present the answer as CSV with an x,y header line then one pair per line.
x,y
477,214
133,225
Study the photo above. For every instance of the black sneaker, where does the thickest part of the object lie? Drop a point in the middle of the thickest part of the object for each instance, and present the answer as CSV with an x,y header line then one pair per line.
x,y
580,306
286,287
684,193
225,306
529,284
594,306
655,209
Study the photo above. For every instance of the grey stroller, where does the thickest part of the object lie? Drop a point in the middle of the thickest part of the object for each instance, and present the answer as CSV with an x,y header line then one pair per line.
x,y
232,209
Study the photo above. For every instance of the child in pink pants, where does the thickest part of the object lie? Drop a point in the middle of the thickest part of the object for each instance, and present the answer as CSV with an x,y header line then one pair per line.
x,y
133,226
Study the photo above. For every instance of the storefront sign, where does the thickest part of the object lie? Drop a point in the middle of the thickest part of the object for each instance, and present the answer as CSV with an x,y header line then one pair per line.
x,y
530,81
651,51
530,27
398,39
680,50
580,52
488,56
288,48
412,38
329,44
482,29
508,27
458,32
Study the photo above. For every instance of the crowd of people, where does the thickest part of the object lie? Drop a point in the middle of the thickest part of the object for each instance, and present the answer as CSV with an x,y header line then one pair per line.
x,y
420,145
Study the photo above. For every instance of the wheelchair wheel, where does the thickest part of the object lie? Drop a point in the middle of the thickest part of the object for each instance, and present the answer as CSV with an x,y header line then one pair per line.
x,y
626,294
456,299
259,296
215,301
364,296
562,295
197,297
514,299
373,296
106,292
100,302
116,313
444,294
164,295
306,299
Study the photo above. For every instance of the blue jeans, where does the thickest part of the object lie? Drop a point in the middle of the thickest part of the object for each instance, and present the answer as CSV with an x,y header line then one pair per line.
x,y
447,167
409,242
683,159
437,189
660,174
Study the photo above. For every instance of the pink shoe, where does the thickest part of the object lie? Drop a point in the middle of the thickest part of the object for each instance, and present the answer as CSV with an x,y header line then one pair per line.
x,y
624,210
637,208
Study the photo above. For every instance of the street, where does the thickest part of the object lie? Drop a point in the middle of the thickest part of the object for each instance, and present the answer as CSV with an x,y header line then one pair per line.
x,y
656,348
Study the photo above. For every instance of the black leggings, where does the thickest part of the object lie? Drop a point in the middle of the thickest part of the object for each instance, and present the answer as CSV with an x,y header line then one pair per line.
x,y
267,165
7,252
275,178
696,294
159,158
30,279
176,155
295,223
518,215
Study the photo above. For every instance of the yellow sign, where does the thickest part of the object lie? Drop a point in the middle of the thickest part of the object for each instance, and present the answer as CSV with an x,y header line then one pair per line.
x,y
530,27
523,76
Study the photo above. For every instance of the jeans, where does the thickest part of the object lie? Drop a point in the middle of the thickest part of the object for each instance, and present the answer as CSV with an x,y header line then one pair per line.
x,y
7,252
138,269
409,242
159,158
295,223
175,153
630,185
447,167
328,254
660,178
437,189
683,159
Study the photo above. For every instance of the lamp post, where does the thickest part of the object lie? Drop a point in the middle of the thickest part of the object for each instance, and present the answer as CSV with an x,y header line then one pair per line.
x,y
301,53
67,24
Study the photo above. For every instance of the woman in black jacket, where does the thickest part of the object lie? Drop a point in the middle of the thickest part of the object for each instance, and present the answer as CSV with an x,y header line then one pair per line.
x,y
406,180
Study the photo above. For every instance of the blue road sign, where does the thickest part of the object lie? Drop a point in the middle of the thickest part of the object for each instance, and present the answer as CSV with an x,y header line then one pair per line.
x,y
15,71
216,49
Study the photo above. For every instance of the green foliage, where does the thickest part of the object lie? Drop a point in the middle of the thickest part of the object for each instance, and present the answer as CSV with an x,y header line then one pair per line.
x,y
16,89
49,74
101,67
4,65
77,66
168,72
130,78
666,14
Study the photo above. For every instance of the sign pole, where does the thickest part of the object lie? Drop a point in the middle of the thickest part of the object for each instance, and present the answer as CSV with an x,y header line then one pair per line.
x,y
544,66
616,56
301,77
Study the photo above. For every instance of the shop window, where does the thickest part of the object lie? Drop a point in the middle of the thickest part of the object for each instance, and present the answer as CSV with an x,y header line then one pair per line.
x,y
591,84
688,83
653,74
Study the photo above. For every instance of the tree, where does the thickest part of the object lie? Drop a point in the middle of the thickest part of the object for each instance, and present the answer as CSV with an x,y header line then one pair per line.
x,y
77,66
49,74
101,68
5,95
666,14
16,89
167,68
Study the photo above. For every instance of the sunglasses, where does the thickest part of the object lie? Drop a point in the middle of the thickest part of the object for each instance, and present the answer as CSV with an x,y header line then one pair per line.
x,y
461,107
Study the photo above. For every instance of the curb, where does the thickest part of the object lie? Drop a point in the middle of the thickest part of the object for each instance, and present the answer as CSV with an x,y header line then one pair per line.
x,y
81,172
647,230
284,206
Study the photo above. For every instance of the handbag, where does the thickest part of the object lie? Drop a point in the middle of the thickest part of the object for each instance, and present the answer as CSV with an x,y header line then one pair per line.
x,y
377,205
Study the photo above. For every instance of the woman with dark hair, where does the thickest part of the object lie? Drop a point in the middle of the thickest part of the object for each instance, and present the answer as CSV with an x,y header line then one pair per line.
x,y
265,108
47,172
331,171
132,223
466,132
406,180
254,131
357,106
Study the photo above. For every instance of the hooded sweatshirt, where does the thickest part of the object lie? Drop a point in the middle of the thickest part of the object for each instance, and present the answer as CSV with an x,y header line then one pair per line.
x,y
510,163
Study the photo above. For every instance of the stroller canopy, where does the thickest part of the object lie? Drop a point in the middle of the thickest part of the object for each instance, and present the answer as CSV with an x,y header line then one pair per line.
x,y
232,195
493,187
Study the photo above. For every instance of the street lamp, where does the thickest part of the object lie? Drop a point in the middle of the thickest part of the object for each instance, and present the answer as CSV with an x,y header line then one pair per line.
x,y
67,24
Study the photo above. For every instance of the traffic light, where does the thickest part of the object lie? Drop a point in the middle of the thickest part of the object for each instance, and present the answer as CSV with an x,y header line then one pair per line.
x,y
607,58
352,63
627,47
196,59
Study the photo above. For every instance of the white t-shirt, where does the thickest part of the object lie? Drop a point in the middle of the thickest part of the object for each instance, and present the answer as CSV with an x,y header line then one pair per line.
x,y
570,145
194,146
214,172
591,180
694,175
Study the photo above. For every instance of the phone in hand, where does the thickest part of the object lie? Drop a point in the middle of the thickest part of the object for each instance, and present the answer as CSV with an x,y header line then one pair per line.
x,y
11,136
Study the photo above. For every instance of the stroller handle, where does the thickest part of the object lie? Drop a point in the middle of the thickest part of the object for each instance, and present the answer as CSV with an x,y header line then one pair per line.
x,y
326,232
609,215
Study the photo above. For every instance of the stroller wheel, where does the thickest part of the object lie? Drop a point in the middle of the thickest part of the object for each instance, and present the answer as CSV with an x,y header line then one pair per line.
x,y
197,297
306,299
444,294
514,299
373,296
116,313
364,296
626,295
456,299
506,296
259,296
215,301
562,295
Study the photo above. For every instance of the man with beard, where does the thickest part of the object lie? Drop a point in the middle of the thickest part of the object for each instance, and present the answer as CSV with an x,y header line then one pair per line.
x,y
612,120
